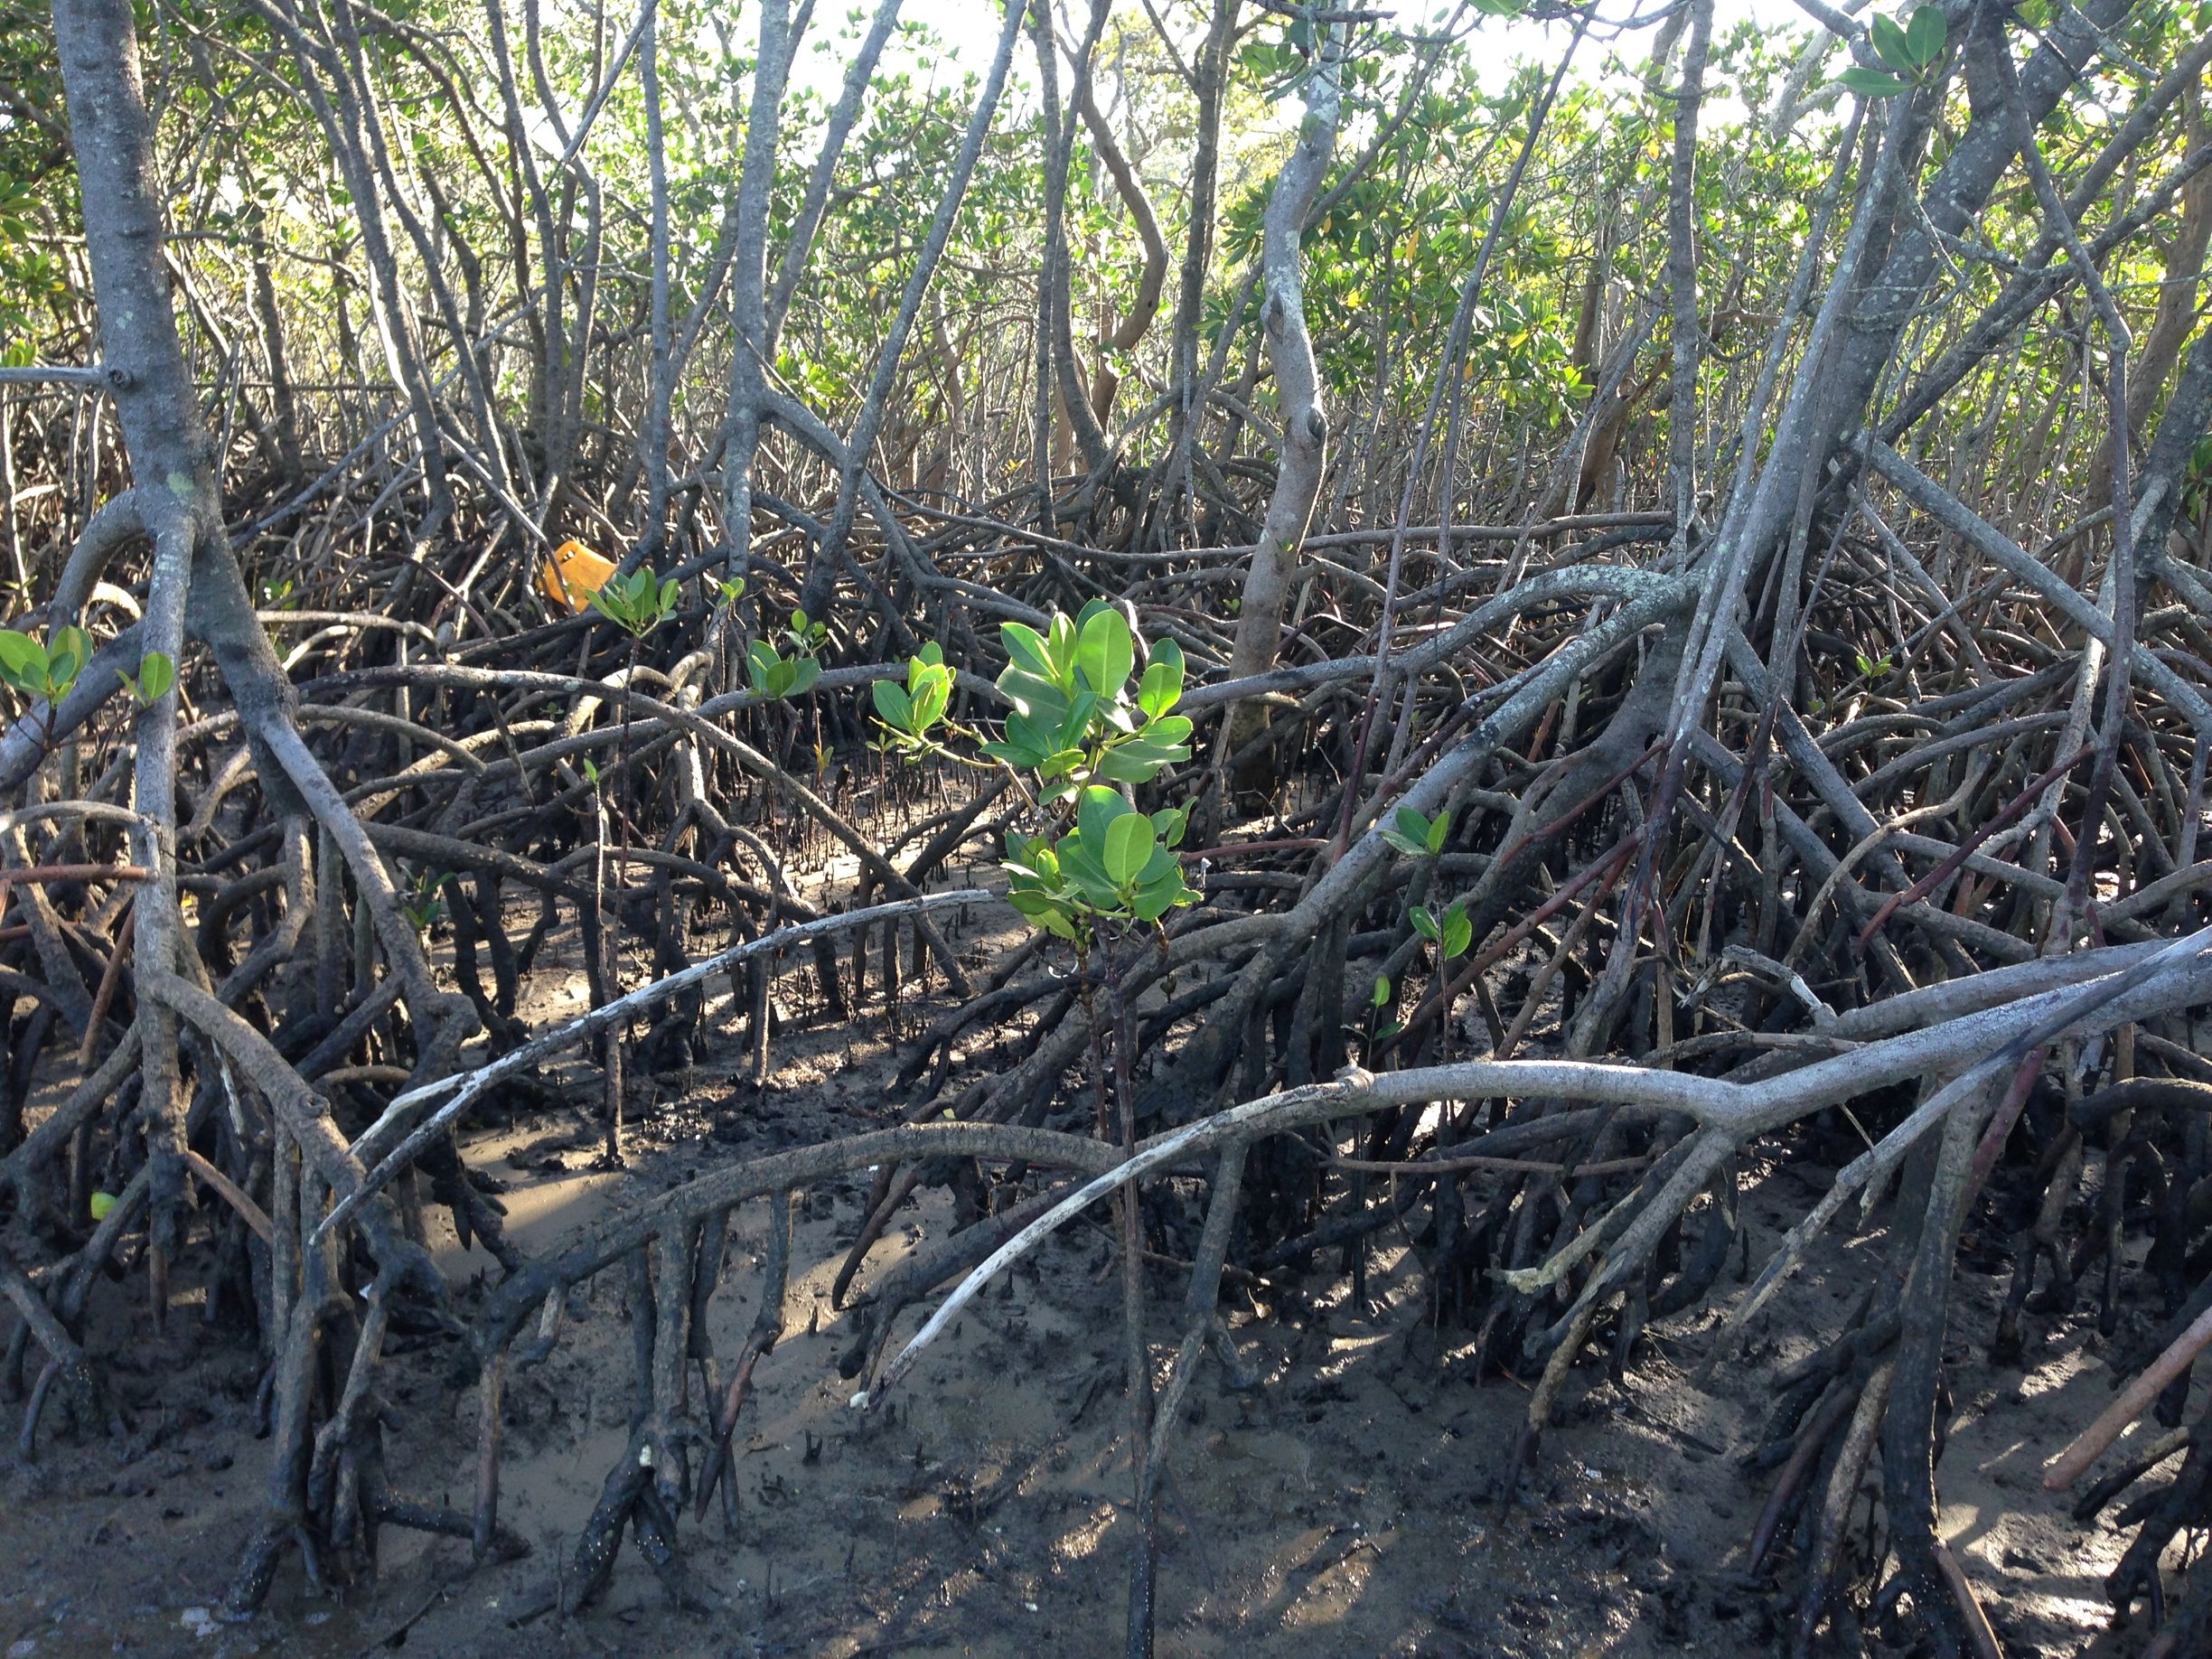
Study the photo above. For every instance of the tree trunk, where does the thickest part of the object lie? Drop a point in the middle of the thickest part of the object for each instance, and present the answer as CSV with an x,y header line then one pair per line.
x,y
1297,387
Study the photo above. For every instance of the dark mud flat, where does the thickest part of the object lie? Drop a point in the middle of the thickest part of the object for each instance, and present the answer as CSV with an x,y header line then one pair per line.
x,y
1348,1505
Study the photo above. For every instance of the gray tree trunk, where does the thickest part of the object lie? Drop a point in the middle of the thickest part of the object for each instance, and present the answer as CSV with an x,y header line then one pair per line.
x,y
1297,385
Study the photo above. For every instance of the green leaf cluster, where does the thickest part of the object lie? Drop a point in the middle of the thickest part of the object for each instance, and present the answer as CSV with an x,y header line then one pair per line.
x,y
638,602
1074,722
776,676
1908,50
1415,835
773,673
44,673
1116,862
908,713
1089,727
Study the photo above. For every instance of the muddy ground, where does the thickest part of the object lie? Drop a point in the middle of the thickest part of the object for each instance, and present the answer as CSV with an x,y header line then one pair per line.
x,y
1350,1504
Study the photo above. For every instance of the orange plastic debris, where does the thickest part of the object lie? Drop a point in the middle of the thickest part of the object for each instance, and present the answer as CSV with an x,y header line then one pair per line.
x,y
573,575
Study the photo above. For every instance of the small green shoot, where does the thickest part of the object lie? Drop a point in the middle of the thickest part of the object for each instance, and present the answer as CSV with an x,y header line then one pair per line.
x,y
638,602
773,676
1377,1001
156,673
1415,835
1451,936
908,713
422,906
806,636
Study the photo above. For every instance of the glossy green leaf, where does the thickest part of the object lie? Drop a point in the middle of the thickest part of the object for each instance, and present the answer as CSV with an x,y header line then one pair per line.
x,y
1060,649
1075,725
1124,766
1408,832
1104,653
1153,899
1891,44
156,675
1025,646
67,652
1130,841
21,656
1033,694
891,704
1925,33
1162,685
929,697
1097,810
760,664
1086,872
1870,83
